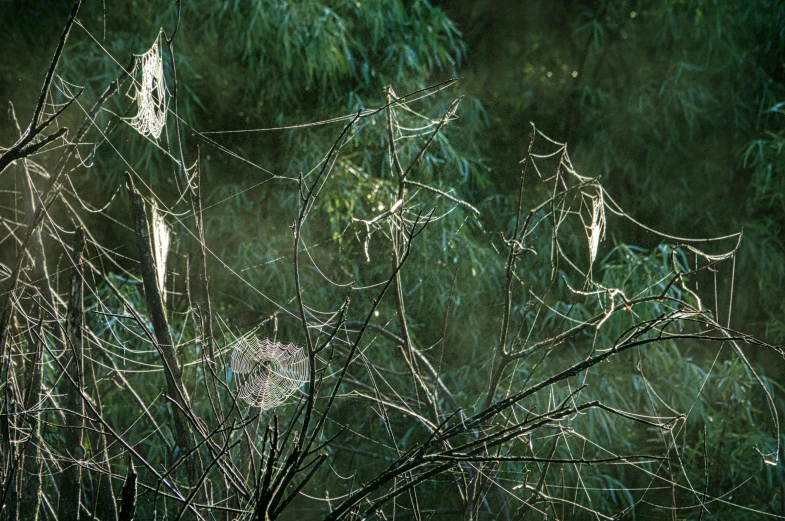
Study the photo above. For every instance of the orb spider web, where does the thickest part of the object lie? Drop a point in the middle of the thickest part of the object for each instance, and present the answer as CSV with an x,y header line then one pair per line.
x,y
273,371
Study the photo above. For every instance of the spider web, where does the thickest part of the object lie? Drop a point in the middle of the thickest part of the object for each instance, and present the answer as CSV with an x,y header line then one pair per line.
x,y
162,238
273,371
269,373
149,93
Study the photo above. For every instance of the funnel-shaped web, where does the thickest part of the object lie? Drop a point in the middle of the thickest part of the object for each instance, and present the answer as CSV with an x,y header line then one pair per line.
x,y
162,238
597,228
273,371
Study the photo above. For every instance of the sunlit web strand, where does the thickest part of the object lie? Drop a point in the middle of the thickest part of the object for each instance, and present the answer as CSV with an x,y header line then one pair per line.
x,y
363,113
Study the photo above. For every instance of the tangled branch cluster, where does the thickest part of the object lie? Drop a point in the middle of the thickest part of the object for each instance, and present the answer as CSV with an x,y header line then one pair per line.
x,y
117,402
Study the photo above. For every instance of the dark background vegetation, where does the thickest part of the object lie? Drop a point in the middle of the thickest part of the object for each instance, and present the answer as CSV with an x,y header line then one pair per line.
x,y
677,105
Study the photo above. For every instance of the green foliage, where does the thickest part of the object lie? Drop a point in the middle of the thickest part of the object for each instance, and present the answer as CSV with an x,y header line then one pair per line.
x,y
677,105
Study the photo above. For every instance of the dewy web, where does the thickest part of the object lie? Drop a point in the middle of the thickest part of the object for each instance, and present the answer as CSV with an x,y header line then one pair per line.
x,y
150,93
273,371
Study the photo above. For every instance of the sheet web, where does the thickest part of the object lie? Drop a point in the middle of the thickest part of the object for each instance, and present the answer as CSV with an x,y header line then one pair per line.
x,y
149,92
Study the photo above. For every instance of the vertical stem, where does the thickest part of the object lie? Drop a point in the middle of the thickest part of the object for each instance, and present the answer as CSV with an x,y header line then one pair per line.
x,y
30,482
71,478
37,254
195,191
30,501
128,495
515,250
398,240
207,320
206,315
9,473
397,233
306,200
164,342
44,201
100,490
